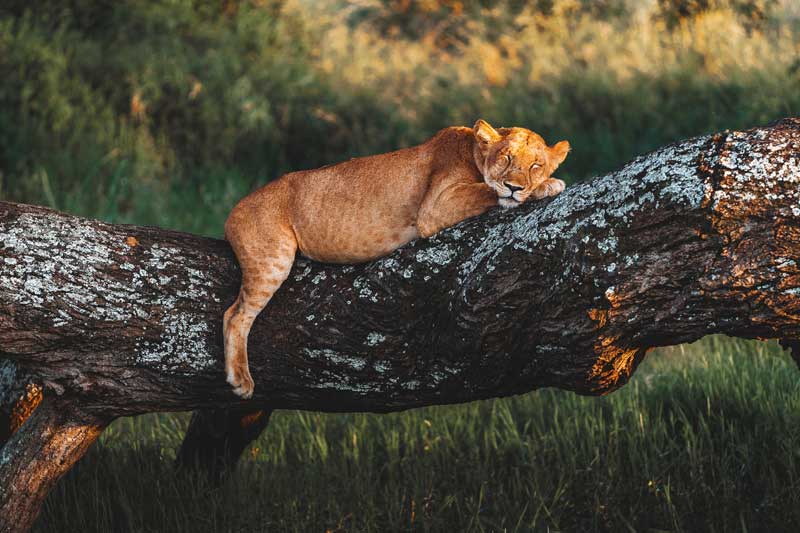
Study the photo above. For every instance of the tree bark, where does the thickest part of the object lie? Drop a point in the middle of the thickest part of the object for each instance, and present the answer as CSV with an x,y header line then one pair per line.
x,y
51,440
698,237
18,398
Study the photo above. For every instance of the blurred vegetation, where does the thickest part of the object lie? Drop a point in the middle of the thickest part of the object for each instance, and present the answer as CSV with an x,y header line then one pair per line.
x,y
167,112
753,12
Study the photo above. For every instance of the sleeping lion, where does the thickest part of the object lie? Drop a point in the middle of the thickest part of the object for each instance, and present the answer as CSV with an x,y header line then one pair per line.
x,y
365,208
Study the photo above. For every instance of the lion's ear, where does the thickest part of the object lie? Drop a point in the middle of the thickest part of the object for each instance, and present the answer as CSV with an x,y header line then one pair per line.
x,y
558,152
484,133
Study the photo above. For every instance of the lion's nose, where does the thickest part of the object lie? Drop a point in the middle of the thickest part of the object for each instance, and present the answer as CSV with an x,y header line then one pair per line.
x,y
511,187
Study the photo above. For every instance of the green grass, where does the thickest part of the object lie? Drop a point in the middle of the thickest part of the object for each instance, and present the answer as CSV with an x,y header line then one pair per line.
x,y
705,437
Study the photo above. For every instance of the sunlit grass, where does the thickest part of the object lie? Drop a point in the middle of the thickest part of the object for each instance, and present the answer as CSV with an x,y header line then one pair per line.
x,y
704,437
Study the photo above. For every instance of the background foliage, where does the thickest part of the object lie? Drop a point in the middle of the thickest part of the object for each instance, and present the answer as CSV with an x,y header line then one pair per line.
x,y
167,112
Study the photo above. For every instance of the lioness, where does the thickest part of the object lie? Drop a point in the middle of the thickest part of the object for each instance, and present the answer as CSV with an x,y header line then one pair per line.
x,y
366,208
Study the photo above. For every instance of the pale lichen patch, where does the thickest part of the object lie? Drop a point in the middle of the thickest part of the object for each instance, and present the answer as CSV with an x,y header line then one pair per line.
x,y
5,456
491,245
374,338
361,284
388,263
440,255
8,385
609,244
338,359
631,259
668,175
381,367
411,384
303,273
74,284
618,195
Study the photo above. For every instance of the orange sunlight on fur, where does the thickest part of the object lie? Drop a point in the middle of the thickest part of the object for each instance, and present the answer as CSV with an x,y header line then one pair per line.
x,y
368,207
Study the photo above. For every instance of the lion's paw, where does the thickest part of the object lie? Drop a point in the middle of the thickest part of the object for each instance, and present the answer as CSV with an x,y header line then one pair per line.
x,y
242,382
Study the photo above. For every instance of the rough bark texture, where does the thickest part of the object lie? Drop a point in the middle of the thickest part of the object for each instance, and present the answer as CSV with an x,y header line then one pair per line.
x,y
19,396
52,439
699,237
29,399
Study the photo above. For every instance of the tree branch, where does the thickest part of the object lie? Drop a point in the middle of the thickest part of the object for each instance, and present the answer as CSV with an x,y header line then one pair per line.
x,y
18,398
698,237
52,439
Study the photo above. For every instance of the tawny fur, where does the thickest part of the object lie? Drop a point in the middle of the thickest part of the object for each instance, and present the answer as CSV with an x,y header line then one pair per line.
x,y
366,208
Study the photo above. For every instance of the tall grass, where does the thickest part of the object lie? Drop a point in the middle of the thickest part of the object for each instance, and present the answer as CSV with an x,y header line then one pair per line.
x,y
703,438
155,112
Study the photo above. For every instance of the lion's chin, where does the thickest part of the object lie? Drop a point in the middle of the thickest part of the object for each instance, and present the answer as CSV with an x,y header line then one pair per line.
x,y
508,202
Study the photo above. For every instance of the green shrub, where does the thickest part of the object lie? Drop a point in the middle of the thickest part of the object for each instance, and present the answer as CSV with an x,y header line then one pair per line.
x,y
160,94
148,112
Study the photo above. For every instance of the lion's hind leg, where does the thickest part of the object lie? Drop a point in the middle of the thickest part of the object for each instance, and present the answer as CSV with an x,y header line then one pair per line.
x,y
265,266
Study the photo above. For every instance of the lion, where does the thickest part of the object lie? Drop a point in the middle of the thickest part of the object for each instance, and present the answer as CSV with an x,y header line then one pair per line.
x,y
367,207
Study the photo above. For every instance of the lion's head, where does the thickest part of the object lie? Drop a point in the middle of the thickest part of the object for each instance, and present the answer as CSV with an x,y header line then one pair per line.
x,y
515,161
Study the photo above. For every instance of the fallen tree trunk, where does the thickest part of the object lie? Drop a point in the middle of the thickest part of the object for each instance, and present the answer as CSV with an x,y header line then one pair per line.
x,y
55,436
699,237
18,398
24,399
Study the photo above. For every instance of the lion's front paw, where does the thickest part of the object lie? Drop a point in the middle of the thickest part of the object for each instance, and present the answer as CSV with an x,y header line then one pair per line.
x,y
550,187
242,382
555,186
